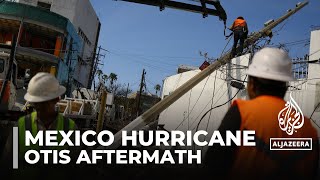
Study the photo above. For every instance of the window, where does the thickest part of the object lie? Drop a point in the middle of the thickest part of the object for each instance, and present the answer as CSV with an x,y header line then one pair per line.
x,y
1,65
83,36
44,5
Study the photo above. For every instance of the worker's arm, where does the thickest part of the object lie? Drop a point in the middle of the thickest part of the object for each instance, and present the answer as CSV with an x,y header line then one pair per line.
x,y
220,158
247,29
231,27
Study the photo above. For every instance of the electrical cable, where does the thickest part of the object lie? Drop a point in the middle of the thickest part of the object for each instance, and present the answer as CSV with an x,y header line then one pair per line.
x,y
280,28
220,96
214,88
202,90
313,113
206,107
194,103
189,109
214,108
146,64
158,56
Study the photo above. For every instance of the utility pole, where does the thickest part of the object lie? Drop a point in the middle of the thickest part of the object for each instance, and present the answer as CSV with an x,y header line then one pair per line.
x,y
96,63
140,92
101,111
149,115
127,102
70,51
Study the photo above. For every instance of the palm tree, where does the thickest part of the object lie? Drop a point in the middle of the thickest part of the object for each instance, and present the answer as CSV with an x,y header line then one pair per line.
x,y
105,78
99,72
157,88
113,77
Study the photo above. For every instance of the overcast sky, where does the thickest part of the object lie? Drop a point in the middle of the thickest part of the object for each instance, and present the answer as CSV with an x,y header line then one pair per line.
x,y
140,36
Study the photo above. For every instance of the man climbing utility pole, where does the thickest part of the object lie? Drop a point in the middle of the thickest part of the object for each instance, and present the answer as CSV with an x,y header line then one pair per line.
x,y
240,32
140,92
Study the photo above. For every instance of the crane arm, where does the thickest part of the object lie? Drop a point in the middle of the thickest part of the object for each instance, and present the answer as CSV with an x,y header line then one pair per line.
x,y
219,11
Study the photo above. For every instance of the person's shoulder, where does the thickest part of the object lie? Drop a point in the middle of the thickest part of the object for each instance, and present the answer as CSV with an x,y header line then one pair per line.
x,y
22,118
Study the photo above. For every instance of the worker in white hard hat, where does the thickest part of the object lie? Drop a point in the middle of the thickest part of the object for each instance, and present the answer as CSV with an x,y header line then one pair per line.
x,y
269,74
43,93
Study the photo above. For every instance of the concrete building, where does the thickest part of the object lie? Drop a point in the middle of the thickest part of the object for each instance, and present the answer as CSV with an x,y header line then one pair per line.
x,y
86,24
46,41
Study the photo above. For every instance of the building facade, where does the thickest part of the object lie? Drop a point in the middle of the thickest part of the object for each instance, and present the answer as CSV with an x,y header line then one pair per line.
x,y
86,26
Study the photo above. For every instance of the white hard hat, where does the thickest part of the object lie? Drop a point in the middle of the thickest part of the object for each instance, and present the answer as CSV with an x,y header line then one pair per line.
x,y
271,63
43,87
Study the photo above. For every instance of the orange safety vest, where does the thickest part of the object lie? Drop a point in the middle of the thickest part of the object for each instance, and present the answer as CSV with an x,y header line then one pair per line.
x,y
239,23
261,114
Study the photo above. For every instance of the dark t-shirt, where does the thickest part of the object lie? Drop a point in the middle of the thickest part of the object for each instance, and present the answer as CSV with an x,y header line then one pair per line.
x,y
219,159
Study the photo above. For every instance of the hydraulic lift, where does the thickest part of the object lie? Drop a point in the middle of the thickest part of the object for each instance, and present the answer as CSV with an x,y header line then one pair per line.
x,y
162,4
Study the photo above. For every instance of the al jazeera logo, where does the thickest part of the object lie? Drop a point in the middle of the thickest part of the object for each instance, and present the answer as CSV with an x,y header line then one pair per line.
x,y
291,119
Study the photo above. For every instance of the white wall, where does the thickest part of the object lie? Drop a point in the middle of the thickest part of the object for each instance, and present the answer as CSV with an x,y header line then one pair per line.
x,y
191,106
313,85
88,21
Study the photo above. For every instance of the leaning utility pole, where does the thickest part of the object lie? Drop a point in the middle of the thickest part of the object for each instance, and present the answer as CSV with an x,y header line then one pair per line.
x,y
140,91
149,115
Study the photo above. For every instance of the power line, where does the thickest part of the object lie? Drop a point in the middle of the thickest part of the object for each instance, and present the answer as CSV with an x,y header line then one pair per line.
x,y
208,104
146,64
189,109
160,56
194,103
214,88
313,113
198,100
216,107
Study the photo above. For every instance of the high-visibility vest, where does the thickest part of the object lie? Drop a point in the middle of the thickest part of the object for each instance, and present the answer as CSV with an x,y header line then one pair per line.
x,y
29,123
261,115
239,23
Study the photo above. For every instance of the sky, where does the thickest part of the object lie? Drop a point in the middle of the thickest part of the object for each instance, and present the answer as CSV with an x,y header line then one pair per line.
x,y
141,37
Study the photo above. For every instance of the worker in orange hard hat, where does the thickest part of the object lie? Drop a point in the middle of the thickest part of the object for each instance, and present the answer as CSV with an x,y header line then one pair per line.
x,y
240,32
269,116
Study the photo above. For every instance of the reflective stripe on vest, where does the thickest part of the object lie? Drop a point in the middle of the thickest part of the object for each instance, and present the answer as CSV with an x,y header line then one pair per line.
x,y
28,123
261,115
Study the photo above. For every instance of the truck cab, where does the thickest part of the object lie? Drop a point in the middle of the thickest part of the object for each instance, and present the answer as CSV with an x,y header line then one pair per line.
x,y
10,90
